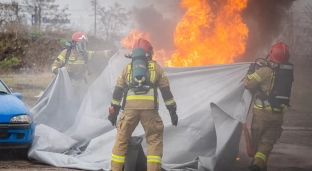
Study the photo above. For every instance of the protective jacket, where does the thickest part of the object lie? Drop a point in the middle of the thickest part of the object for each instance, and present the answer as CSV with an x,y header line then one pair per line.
x,y
76,64
143,101
266,126
141,108
260,81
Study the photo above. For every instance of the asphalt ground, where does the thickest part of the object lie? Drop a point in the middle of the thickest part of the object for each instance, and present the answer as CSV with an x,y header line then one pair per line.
x,y
292,152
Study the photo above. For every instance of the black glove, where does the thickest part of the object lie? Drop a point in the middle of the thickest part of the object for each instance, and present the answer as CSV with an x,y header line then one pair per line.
x,y
55,71
173,114
113,117
252,68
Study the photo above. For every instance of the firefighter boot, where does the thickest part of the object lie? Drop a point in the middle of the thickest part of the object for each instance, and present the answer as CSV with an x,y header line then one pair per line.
x,y
254,168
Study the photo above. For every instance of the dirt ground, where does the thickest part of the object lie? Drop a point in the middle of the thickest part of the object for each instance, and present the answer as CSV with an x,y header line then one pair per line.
x,y
293,151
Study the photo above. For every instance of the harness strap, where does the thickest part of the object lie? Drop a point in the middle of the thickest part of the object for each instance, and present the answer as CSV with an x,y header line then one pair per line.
x,y
262,97
68,52
129,80
124,98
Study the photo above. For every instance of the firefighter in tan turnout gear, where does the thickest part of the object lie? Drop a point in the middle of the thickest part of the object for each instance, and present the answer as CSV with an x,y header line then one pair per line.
x,y
75,57
268,110
137,85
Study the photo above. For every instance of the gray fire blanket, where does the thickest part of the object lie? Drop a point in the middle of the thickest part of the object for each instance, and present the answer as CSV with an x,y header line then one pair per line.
x,y
211,104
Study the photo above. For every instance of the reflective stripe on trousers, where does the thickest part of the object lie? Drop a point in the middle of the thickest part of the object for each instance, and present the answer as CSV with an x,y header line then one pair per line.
x,y
153,159
118,159
153,128
261,156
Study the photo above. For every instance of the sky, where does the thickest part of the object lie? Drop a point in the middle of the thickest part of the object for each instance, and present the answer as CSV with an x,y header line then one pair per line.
x,y
81,10
82,17
82,13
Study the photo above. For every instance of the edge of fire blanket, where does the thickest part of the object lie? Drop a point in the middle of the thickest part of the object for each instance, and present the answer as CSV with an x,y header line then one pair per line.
x,y
211,104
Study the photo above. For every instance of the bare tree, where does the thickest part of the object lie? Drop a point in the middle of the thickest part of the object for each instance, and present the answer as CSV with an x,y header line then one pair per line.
x,y
295,33
39,9
11,18
308,14
112,19
10,13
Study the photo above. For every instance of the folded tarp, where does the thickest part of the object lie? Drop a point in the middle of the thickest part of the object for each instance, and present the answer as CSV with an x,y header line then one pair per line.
x,y
211,103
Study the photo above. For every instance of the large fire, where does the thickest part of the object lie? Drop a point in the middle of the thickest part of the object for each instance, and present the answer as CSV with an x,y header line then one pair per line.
x,y
204,37
128,41
135,34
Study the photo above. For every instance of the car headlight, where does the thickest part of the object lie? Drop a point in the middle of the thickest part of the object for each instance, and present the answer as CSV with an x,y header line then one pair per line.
x,y
21,119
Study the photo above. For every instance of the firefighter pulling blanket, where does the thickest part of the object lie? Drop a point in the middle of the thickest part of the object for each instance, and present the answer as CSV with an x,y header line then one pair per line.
x,y
211,104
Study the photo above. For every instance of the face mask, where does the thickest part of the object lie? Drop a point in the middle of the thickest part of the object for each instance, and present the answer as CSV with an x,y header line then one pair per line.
x,y
81,46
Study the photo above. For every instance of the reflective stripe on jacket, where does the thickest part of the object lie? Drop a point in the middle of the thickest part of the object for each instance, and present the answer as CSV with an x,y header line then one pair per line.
x,y
143,101
76,64
262,78
150,94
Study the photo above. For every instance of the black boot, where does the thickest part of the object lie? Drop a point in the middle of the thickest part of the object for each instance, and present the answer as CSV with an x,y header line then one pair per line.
x,y
254,168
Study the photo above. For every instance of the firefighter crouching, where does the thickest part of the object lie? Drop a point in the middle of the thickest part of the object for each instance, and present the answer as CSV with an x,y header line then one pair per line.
x,y
272,85
138,85
75,57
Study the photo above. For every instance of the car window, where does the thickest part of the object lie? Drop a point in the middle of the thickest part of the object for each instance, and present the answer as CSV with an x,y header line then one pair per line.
x,y
3,88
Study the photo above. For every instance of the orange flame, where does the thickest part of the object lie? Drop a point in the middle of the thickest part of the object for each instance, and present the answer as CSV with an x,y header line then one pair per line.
x,y
203,37
128,42
135,34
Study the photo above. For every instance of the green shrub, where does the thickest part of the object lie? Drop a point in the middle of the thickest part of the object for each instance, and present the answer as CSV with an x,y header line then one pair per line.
x,y
8,64
36,33
63,42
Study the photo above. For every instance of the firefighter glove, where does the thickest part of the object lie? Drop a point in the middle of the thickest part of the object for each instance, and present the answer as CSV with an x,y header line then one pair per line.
x,y
112,117
252,68
55,71
173,114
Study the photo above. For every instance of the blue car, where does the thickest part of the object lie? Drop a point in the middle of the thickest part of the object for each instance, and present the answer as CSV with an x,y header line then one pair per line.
x,y
17,127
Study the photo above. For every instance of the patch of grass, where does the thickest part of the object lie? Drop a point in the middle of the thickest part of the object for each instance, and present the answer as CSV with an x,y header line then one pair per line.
x,y
36,33
29,85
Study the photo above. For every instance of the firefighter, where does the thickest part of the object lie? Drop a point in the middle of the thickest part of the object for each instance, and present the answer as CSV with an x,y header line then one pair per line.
x,y
141,108
75,57
266,126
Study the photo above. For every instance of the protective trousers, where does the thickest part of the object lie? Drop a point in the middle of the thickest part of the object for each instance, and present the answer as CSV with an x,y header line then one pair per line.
x,y
153,128
266,129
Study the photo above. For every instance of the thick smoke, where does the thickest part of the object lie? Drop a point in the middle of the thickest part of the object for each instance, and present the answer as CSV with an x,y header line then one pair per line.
x,y
160,21
263,18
